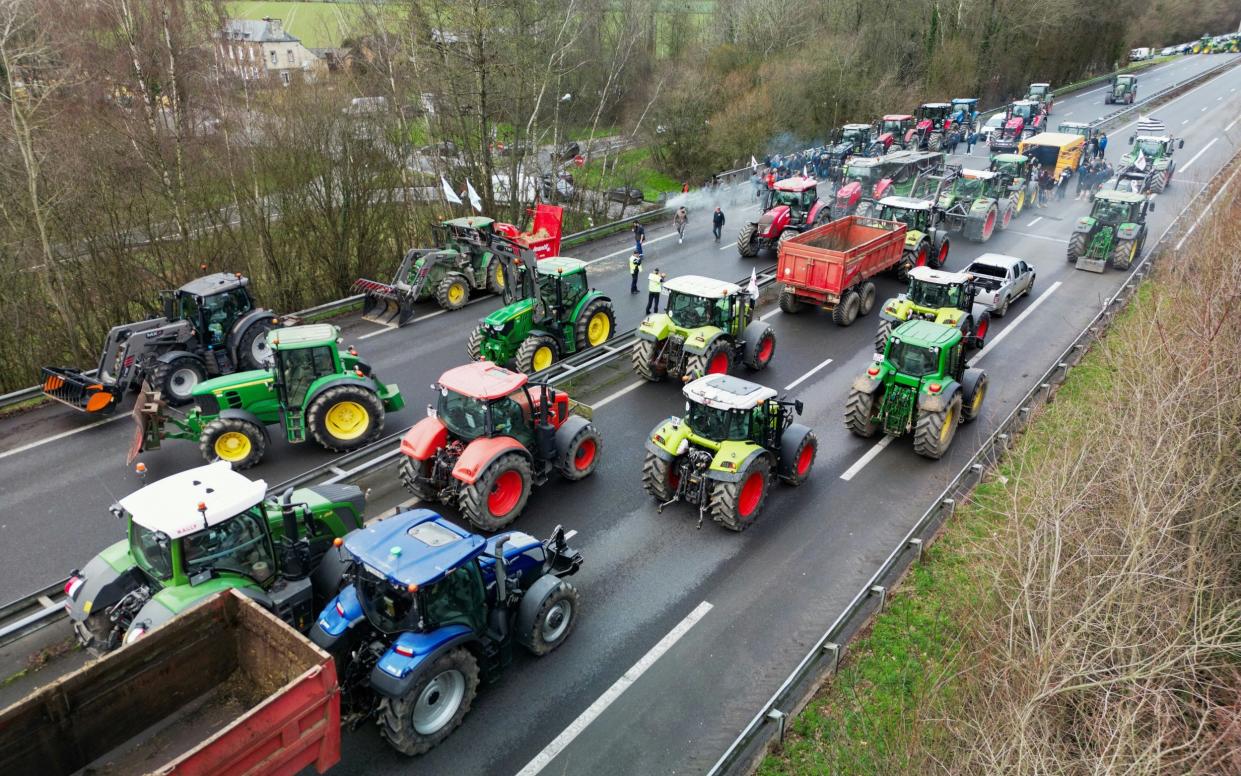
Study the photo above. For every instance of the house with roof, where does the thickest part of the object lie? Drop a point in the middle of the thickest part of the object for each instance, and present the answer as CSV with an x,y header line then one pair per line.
x,y
257,49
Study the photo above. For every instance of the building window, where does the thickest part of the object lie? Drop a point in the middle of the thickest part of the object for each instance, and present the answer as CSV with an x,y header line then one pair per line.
x,y
290,56
284,76
273,59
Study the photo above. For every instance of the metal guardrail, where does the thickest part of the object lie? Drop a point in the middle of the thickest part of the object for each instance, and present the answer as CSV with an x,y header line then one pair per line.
x,y
872,595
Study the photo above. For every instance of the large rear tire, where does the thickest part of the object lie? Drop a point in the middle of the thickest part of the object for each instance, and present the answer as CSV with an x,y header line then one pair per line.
x,y
581,457
1077,247
747,242
495,276
935,431
453,291
717,359
860,413
659,477
177,378
1123,253
253,351
537,352
736,505
409,470
239,442
499,494
643,357
345,417
595,325
434,707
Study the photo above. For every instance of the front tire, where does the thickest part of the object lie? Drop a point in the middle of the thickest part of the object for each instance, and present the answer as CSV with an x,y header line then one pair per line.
x,y
434,707
474,345
499,494
554,621
581,457
239,442
1077,247
537,352
345,417
747,244
935,431
453,292
802,461
736,505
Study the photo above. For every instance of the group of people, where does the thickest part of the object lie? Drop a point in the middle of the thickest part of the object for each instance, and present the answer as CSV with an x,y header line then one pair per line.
x,y
654,282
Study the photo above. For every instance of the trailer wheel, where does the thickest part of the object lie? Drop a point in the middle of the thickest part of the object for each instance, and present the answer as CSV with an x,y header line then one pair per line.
x,y
237,441
345,417
433,707
177,378
867,294
846,311
789,302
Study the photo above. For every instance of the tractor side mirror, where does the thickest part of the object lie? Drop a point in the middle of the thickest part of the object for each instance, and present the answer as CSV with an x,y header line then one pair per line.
x,y
1180,143
1132,138
1150,205
162,540
797,405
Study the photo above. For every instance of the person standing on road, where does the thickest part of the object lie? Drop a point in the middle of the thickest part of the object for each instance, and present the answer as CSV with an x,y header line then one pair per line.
x,y
1085,177
717,223
970,139
679,221
1102,144
654,285
635,265
1092,147
639,237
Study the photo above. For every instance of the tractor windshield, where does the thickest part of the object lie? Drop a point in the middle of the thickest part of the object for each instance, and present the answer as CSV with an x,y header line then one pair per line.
x,y
1038,90
794,199
239,545
1110,212
913,360
718,424
889,125
855,136
926,294
464,416
388,607
969,188
691,312
1023,111
1150,147
152,551
863,173
914,219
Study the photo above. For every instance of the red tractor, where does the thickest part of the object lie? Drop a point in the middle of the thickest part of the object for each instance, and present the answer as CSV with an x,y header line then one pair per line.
x,y
895,129
1022,119
491,438
933,122
790,207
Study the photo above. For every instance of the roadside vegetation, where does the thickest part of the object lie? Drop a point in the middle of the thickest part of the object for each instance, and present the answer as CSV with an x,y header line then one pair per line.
x,y
1083,614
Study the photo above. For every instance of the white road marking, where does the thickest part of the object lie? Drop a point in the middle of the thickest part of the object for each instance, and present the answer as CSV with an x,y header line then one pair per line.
x,y
1016,322
1200,153
389,327
1037,236
1204,212
623,251
62,435
1204,108
765,316
1070,113
865,459
1035,221
799,380
575,728
1120,129
613,397
1183,123
1230,126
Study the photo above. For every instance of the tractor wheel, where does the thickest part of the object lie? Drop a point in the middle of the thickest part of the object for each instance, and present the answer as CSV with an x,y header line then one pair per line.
x,y
1006,219
846,311
971,406
239,442
253,351
978,337
802,461
1077,247
659,477
867,295
718,359
736,505
345,417
1159,181
1123,253
176,379
596,324
537,352
495,277
860,410
786,235
554,621
935,141
822,217
581,457
883,332
499,494
922,254
760,346
453,291
789,302
941,254
935,430
408,471
747,241
474,345
643,357
433,707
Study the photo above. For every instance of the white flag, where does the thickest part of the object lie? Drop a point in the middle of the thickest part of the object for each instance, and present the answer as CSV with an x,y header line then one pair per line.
x,y
475,202
1140,162
803,171
752,289
449,194
753,163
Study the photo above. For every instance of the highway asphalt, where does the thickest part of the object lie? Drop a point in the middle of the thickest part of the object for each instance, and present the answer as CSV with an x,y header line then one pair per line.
x,y
684,633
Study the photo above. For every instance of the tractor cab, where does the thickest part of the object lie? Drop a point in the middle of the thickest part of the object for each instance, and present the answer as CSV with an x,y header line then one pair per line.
x,y
858,136
456,233
965,111
898,126
1029,111
937,113
726,408
484,400
1011,166
1042,94
1112,208
919,215
210,304
1124,89
695,302
931,290
302,356
799,194
919,350
1075,128
972,184
1152,146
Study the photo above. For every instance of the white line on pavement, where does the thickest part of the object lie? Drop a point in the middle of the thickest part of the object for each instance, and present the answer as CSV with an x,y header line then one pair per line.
x,y
1204,212
613,397
865,459
765,316
1116,132
1016,322
1183,123
1035,221
1200,153
1204,108
1070,113
799,380
61,435
614,254
575,728
1230,126
1037,236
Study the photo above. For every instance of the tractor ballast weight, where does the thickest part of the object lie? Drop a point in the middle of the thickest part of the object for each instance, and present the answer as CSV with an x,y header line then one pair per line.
x,y
209,327
1115,232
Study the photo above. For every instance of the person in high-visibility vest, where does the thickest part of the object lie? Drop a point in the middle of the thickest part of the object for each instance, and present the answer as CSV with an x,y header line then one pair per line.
x,y
654,284
635,264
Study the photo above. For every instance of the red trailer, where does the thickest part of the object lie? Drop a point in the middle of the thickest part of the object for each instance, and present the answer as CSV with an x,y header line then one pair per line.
x,y
831,265
224,688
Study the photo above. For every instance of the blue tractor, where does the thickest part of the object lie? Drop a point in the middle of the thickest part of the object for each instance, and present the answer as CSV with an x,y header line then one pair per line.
x,y
428,609
965,112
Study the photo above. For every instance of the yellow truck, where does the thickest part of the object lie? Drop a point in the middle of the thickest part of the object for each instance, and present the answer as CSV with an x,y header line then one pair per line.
x,y
1063,152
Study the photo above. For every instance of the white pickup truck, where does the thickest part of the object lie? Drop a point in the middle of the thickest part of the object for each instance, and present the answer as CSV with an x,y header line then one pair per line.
x,y
1000,280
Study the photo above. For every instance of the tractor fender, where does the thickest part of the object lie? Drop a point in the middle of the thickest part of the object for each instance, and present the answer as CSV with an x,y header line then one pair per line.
x,y
531,601
481,452
814,210
867,384
588,298
332,382
981,205
167,357
882,188
672,431
395,674
702,339
739,454
340,614
426,436
240,327
1128,231
654,327
568,430
773,222
969,381
102,584
1084,225
789,440
246,415
849,194
935,402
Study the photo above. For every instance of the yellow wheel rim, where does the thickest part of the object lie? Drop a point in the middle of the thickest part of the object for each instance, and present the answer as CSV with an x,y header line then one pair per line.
x,y
599,328
543,358
978,395
1133,249
1021,200
455,293
499,276
233,446
950,421
347,420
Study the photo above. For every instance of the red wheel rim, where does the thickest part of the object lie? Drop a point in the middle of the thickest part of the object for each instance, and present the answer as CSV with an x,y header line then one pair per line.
x,y
923,252
805,459
982,329
990,224
943,254
750,493
764,350
718,364
1008,217
505,493
674,479
585,454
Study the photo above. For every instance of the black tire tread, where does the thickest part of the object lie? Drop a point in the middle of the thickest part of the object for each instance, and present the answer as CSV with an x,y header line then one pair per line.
x,y
258,440
394,714
316,412
473,498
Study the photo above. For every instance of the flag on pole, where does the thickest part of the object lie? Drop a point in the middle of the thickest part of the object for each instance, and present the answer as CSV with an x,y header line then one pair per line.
x,y
475,201
449,194
753,163
752,289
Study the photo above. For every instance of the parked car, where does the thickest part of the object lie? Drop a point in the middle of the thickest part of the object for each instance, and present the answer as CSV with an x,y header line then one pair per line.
x,y
443,148
626,195
993,122
1000,281
568,150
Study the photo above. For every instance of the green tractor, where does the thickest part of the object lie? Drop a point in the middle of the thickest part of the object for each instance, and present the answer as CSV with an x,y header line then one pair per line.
x,y
926,239
707,327
205,530
1114,231
946,298
736,436
921,385
311,388
1149,161
1124,90
977,203
550,312
1016,178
